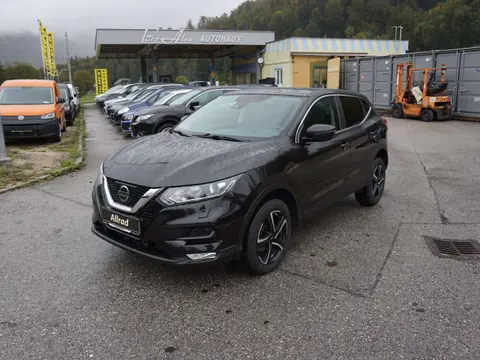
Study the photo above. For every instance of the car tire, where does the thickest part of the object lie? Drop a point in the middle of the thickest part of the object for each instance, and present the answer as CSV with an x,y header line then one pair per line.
x,y
372,193
397,111
427,115
263,253
58,137
164,127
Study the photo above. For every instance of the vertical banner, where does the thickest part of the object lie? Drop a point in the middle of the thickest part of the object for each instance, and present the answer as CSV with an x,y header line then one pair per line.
x,y
51,49
101,81
45,50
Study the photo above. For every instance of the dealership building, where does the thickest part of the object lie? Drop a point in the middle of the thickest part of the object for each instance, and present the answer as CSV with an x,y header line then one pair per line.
x,y
255,55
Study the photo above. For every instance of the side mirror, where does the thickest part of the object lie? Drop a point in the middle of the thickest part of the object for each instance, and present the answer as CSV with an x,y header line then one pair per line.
x,y
194,105
71,97
319,133
60,100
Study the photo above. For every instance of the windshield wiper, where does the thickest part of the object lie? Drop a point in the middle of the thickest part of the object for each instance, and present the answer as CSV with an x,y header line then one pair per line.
x,y
180,133
218,137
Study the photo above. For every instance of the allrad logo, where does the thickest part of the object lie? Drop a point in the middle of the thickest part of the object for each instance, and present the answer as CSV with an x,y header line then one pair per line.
x,y
181,38
118,220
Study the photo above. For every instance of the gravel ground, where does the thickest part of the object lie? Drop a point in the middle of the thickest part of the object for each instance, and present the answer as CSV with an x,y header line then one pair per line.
x,y
359,283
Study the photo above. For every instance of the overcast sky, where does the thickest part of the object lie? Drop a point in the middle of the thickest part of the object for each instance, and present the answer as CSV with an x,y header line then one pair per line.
x,y
77,16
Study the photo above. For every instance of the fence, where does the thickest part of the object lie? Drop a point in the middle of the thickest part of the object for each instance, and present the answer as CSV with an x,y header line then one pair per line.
x,y
375,77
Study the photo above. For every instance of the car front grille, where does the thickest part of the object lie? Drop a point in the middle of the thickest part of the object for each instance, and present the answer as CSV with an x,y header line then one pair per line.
x,y
136,192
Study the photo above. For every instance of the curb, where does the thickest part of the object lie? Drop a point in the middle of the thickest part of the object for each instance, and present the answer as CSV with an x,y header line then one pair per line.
x,y
78,164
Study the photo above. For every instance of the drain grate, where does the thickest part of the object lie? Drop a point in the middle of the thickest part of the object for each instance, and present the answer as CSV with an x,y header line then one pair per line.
x,y
455,249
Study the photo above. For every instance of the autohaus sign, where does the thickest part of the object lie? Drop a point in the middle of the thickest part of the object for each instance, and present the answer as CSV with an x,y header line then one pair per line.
x,y
182,37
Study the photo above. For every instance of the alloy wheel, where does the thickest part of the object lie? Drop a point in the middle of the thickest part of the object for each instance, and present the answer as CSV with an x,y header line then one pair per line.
x,y
271,237
378,181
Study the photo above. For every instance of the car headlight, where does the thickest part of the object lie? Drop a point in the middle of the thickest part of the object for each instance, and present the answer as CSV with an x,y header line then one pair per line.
x,y
48,116
123,111
144,117
186,194
128,118
99,179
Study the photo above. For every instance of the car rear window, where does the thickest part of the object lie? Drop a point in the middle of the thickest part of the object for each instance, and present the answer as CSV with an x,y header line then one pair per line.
x,y
26,95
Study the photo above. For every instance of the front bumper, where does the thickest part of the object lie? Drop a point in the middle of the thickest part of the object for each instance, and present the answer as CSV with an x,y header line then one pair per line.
x,y
144,128
126,125
15,129
172,234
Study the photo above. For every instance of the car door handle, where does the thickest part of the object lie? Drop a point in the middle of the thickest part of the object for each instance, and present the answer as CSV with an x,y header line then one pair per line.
x,y
344,146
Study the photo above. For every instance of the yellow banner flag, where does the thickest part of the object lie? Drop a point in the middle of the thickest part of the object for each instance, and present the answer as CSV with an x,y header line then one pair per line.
x,y
101,81
45,51
51,49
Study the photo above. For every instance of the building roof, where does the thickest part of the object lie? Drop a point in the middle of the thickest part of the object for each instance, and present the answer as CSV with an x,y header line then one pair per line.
x,y
338,46
132,43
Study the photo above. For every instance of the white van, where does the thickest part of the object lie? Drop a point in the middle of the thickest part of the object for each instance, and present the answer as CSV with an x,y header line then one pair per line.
x,y
76,97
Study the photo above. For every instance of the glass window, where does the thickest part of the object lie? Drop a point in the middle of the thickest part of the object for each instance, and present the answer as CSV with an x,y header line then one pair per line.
x,y
208,96
323,112
248,116
352,109
366,106
186,97
26,95
278,77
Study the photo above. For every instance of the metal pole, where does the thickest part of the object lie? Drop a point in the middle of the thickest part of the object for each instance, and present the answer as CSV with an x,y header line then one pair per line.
x,y
3,150
68,61
395,42
401,28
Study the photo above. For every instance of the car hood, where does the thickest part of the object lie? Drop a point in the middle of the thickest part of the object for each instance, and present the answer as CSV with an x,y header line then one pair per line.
x,y
166,160
156,109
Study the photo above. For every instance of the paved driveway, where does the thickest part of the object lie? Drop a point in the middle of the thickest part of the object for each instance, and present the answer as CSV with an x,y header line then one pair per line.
x,y
359,283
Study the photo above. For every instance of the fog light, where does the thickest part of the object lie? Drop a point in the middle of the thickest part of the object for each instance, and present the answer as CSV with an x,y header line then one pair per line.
x,y
202,256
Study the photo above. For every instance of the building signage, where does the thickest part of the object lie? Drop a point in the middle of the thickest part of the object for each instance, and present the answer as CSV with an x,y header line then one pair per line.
x,y
160,36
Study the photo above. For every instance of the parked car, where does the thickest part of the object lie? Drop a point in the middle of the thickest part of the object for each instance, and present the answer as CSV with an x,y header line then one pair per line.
x,y
100,99
32,109
148,100
160,118
199,83
119,100
69,104
76,98
126,90
233,178
116,104
168,96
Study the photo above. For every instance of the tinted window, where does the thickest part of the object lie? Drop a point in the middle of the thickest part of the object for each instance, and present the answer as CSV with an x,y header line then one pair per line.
x,y
366,106
26,95
323,112
352,109
208,96
251,116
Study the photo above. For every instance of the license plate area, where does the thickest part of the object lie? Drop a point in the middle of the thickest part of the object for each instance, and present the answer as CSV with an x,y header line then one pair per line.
x,y
121,222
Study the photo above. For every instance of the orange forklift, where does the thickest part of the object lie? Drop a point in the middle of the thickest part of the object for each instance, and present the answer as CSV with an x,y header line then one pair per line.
x,y
421,100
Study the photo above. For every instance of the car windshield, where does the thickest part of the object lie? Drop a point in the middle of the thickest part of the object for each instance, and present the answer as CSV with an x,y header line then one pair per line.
x,y
145,95
64,93
185,97
247,116
173,97
135,95
161,100
26,95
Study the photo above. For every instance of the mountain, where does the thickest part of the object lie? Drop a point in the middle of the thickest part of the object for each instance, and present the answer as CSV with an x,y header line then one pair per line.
x,y
25,47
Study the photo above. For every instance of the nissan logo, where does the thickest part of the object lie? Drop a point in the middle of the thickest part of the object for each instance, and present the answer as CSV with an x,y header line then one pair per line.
x,y
21,117
123,193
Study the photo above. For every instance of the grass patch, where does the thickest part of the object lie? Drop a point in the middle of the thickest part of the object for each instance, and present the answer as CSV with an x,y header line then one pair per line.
x,y
37,158
88,98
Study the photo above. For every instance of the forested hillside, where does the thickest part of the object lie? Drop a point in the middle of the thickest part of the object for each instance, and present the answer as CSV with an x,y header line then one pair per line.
x,y
427,24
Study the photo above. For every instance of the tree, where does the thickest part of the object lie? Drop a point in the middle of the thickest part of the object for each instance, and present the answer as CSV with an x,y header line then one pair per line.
x,y
2,74
83,80
19,70
181,80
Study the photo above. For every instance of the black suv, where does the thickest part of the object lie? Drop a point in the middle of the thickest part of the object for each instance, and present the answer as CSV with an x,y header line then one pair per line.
x,y
69,105
233,178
